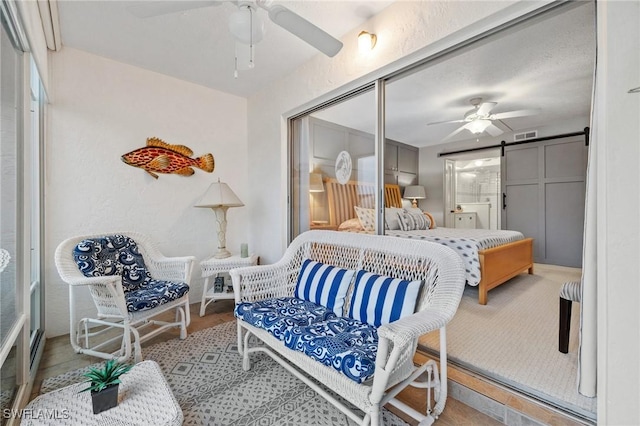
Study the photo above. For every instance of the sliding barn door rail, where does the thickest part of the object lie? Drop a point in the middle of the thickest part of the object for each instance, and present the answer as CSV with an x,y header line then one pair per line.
x,y
504,144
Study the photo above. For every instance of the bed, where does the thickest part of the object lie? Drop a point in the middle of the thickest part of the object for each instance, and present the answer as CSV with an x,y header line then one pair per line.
x,y
501,255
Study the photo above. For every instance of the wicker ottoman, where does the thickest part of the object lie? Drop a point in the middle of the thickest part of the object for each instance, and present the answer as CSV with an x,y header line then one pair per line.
x,y
144,399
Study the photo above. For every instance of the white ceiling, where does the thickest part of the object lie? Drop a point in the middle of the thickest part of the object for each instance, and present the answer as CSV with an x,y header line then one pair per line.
x,y
546,64
196,45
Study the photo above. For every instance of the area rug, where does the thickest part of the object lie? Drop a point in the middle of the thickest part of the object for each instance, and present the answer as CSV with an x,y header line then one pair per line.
x,y
205,374
514,338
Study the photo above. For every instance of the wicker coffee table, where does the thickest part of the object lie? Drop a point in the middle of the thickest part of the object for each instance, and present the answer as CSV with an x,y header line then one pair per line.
x,y
144,399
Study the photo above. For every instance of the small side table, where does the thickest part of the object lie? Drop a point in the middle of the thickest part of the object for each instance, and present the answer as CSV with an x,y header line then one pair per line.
x,y
145,398
212,267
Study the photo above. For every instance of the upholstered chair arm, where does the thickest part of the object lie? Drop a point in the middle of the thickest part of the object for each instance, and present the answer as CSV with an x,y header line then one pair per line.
x,y
171,268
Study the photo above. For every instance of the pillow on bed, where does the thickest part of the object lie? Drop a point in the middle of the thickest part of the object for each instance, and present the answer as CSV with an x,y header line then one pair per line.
x,y
351,225
412,219
391,218
367,218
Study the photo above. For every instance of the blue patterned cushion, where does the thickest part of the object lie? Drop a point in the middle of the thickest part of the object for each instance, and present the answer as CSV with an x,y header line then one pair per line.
x,y
324,285
347,345
378,300
154,293
119,255
278,314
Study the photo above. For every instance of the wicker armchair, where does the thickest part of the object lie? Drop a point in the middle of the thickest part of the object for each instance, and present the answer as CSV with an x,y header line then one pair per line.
x,y
130,282
441,273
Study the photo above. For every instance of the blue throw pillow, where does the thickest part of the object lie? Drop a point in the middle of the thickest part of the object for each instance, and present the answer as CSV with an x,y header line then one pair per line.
x,y
324,285
378,300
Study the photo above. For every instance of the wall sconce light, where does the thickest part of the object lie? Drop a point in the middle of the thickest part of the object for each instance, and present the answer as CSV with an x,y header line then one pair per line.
x,y
366,41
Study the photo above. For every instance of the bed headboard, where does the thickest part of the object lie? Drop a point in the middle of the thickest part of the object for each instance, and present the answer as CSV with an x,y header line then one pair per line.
x,y
342,198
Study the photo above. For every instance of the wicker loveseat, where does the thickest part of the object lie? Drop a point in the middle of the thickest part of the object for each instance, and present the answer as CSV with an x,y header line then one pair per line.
x,y
328,312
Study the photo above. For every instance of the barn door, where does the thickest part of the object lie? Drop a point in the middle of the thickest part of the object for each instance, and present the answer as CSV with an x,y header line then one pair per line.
x,y
543,190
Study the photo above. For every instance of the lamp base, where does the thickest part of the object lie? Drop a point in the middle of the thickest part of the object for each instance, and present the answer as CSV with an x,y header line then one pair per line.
x,y
414,203
222,253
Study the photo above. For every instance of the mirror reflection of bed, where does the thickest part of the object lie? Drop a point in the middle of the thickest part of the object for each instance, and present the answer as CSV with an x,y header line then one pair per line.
x,y
491,257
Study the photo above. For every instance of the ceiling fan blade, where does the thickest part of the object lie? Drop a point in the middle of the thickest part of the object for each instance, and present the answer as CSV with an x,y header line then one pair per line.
x,y
443,122
493,130
150,9
513,114
455,132
304,30
485,108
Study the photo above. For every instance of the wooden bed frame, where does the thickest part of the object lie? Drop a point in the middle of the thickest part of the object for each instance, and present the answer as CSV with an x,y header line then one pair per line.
x,y
497,264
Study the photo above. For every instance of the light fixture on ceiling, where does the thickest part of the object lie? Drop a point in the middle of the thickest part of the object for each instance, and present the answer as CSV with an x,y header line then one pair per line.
x,y
248,29
478,126
366,41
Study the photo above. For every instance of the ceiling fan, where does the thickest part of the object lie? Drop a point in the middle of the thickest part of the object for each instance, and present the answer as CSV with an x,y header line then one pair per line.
x,y
246,25
479,119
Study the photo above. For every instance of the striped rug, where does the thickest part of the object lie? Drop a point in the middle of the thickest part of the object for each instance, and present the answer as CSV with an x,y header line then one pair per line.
x,y
514,338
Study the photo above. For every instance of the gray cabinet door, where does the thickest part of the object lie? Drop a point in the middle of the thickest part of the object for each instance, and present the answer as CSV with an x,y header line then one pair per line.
x,y
543,186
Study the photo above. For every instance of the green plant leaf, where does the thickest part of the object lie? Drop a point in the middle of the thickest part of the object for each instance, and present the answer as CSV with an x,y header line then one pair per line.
x,y
107,375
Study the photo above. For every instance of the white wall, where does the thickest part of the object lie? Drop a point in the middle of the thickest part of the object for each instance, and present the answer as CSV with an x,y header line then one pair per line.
x,y
103,109
402,29
618,213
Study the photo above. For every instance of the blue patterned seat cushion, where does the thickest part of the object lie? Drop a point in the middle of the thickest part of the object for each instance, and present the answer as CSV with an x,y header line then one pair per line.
x,y
347,345
279,314
154,293
119,255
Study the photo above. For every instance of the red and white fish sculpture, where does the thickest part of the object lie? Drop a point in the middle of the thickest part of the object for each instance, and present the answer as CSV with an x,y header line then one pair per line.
x,y
161,157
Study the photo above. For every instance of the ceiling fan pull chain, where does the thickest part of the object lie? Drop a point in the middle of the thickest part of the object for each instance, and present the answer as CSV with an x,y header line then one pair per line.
x,y
251,64
235,71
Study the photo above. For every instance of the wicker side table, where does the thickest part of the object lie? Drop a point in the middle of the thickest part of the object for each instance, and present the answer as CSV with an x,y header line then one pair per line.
x,y
212,267
144,399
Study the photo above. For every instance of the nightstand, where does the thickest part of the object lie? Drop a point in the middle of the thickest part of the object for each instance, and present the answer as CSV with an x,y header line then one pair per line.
x,y
212,268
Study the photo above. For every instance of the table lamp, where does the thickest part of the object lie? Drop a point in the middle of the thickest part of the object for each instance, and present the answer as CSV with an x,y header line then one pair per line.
x,y
415,192
220,198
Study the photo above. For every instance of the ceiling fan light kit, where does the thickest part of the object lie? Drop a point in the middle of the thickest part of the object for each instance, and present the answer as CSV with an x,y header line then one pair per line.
x,y
478,126
480,119
246,26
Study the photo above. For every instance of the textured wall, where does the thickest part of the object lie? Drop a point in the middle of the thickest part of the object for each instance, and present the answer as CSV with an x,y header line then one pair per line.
x,y
403,29
103,109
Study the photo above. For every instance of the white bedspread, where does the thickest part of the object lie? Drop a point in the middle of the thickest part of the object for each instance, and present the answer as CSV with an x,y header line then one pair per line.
x,y
465,242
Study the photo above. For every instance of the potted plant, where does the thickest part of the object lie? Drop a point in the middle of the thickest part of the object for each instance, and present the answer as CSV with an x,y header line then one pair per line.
x,y
104,384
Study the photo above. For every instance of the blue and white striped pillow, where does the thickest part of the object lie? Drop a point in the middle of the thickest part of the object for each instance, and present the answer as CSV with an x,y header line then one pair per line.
x,y
324,285
378,300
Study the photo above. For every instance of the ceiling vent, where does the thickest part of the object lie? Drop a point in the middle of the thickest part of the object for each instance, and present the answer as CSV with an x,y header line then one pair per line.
x,y
525,135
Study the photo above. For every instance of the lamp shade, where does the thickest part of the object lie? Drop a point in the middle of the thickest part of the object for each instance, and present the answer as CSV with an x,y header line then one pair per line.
x,y
415,192
219,195
315,182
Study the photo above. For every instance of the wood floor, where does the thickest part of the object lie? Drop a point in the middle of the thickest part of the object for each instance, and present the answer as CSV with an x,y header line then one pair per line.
x,y
59,357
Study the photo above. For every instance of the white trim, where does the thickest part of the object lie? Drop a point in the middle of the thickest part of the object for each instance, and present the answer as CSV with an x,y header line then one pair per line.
x,y
11,337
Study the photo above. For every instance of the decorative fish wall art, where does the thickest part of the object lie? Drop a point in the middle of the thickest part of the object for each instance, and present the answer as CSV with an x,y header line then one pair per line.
x,y
161,157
